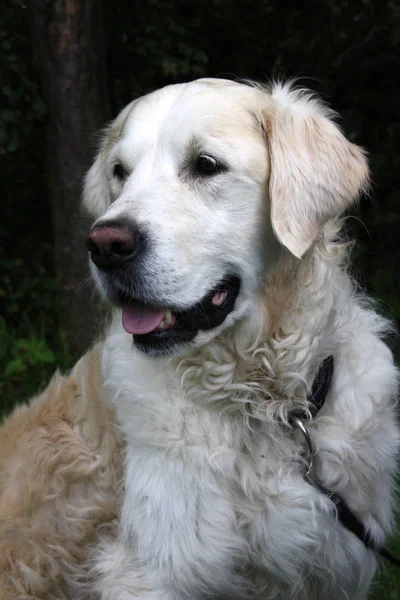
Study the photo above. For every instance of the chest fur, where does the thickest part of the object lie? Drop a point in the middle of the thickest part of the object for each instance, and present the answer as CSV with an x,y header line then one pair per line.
x,y
195,479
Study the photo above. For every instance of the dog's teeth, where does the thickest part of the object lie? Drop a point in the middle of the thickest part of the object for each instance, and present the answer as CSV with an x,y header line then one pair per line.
x,y
168,321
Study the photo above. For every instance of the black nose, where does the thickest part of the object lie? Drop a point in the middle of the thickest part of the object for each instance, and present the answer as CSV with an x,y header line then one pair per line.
x,y
113,244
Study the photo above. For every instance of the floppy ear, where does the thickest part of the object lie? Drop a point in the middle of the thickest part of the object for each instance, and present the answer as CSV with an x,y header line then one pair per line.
x,y
315,171
96,196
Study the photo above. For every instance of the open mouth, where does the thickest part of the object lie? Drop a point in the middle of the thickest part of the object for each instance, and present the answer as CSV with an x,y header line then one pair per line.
x,y
158,329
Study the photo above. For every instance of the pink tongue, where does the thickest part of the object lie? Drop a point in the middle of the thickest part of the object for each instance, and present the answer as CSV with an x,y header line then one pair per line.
x,y
139,320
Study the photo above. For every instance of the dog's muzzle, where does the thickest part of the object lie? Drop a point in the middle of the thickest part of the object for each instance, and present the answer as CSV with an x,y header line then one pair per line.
x,y
117,250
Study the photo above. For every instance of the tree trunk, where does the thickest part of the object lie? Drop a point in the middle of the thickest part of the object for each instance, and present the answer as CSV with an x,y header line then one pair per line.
x,y
69,51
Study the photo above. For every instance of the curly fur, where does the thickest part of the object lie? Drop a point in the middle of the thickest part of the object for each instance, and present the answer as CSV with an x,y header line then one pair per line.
x,y
210,501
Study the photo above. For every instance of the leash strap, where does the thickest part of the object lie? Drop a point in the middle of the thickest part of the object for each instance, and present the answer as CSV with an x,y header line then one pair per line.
x,y
319,391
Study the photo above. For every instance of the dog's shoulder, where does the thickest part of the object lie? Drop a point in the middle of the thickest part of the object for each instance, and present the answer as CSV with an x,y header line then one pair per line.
x,y
59,472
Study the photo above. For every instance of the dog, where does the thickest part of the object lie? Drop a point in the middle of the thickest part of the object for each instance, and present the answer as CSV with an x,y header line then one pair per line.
x,y
166,466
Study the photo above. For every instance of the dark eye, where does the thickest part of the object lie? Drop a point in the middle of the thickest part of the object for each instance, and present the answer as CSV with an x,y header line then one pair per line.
x,y
207,165
119,171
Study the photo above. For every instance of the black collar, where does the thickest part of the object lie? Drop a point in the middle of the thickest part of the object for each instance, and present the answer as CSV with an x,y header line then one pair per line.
x,y
321,386
319,390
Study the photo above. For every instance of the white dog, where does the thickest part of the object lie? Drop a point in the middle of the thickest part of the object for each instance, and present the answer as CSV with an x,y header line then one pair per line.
x,y
216,235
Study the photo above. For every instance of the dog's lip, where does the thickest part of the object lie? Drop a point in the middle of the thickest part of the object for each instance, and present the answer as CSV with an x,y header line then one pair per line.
x,y
145,321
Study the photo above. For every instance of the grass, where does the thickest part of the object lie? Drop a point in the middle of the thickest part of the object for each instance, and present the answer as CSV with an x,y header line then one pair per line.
x,y
387,583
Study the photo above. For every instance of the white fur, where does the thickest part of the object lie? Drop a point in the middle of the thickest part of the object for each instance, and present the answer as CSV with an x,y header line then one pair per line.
x,y
215,503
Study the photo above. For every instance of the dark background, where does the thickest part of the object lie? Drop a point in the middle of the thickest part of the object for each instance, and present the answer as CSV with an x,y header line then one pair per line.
x,y
67,66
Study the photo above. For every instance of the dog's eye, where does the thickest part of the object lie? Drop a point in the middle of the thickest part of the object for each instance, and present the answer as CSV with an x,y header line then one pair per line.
x,y
207,165
119,171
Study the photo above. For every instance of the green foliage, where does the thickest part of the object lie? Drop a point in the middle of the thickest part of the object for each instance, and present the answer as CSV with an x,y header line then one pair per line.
x,y
26,353
29,355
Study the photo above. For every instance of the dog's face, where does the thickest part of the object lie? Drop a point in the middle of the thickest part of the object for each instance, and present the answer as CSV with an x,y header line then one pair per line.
x,y
197,189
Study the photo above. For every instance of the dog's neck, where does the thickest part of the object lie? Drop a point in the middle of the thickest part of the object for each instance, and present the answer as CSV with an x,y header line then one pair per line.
x,y
267,365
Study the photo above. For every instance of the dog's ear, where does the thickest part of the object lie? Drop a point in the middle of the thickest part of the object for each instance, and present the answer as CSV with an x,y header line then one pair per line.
x,y
96,196
96,193
315,171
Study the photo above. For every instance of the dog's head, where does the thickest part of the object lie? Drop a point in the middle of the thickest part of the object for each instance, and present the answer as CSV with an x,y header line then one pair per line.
x,y
198,189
